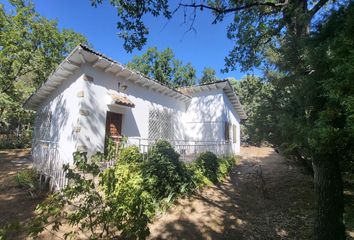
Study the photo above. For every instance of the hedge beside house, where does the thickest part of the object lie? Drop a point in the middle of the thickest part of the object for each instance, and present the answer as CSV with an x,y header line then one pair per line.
x,y
123,199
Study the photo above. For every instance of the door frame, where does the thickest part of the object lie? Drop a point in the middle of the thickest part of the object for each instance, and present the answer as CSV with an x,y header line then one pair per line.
x,y
107,129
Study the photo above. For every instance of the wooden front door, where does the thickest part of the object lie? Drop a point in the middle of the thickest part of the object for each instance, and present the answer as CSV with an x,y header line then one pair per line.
x,y
114,126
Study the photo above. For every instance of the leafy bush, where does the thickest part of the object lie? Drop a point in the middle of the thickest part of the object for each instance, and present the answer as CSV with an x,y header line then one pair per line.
x,y
225,165
124,198
28,179
198,179
88,210
130,154
163,171
131,206
208,163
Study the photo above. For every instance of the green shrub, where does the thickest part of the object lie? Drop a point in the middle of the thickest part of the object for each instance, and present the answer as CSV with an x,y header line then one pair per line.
x,y
125,197
225,165
130,154
88,210
198,179
164,172
131,205
208,163
28,179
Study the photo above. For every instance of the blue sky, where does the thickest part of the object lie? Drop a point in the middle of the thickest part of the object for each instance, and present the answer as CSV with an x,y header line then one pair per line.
x,y
206,47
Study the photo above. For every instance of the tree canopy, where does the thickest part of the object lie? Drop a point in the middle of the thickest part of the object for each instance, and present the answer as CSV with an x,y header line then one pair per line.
x,y
300,114
209,75
256,24
31,48
164,67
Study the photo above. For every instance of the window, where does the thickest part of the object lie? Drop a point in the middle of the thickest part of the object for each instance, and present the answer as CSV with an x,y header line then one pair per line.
x,y
234,135
43,125
227,131
160,124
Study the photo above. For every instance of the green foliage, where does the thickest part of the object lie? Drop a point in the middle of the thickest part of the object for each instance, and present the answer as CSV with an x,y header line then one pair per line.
x,y
130,154
123,199
208,163
7,228
332,104
307,110
256,26
84,203
28,179
111,149
198,178
130,204
31,48
255,96
208,76
164,67
225,165
163,170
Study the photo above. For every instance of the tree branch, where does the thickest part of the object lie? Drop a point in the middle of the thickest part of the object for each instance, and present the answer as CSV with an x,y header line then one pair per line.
x,y
268,36
228,10
317,7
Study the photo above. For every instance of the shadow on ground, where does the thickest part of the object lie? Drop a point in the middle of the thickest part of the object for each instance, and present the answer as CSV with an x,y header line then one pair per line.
x,y
265,197
16,204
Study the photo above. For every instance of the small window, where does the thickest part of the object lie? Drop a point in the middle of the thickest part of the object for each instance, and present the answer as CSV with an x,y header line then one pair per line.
x,y
43,125
227,131
234,135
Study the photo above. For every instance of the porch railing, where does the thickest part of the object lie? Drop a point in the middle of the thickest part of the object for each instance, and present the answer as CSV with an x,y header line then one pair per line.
x,y
48,159
188,149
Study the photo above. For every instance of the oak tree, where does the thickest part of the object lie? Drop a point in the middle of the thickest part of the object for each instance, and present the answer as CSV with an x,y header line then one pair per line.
x,y
272,34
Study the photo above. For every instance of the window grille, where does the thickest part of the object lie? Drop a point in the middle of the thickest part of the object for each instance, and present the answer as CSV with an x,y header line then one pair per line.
x,y
43,125
160,124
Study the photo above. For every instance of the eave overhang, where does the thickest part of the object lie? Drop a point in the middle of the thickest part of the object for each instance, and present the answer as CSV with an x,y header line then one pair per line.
x,y
224,85
82,54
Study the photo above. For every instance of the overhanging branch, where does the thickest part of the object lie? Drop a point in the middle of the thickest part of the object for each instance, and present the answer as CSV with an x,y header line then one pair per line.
x,y
228,10
317,7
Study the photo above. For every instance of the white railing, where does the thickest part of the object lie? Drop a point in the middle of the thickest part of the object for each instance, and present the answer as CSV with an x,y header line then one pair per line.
x,y
188,149
48,159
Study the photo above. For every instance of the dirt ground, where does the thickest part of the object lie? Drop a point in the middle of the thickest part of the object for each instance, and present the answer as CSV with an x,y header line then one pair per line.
x,y
16,205
265,197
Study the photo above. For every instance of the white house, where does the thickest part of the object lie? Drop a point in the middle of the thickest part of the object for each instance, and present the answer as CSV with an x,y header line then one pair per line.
x,y
90,96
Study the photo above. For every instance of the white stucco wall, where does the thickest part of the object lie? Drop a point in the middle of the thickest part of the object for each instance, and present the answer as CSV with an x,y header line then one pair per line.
x,y
79,120
231,116
206,115
64,106
203,119
135,120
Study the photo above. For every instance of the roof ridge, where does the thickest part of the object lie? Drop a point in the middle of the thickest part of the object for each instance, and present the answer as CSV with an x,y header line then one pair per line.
x,y
89,49
205,84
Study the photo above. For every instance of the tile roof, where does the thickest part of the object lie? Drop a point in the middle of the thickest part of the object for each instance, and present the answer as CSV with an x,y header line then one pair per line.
x,y
122,100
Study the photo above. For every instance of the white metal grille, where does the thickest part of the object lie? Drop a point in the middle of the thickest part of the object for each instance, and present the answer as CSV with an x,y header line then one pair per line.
x,y
42,125
160,124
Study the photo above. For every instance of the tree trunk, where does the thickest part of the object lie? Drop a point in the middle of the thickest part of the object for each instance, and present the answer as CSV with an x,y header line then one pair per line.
x,y
328,199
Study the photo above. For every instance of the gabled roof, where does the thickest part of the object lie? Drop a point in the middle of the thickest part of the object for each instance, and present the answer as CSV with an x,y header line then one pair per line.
x,y
226,86
82,54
